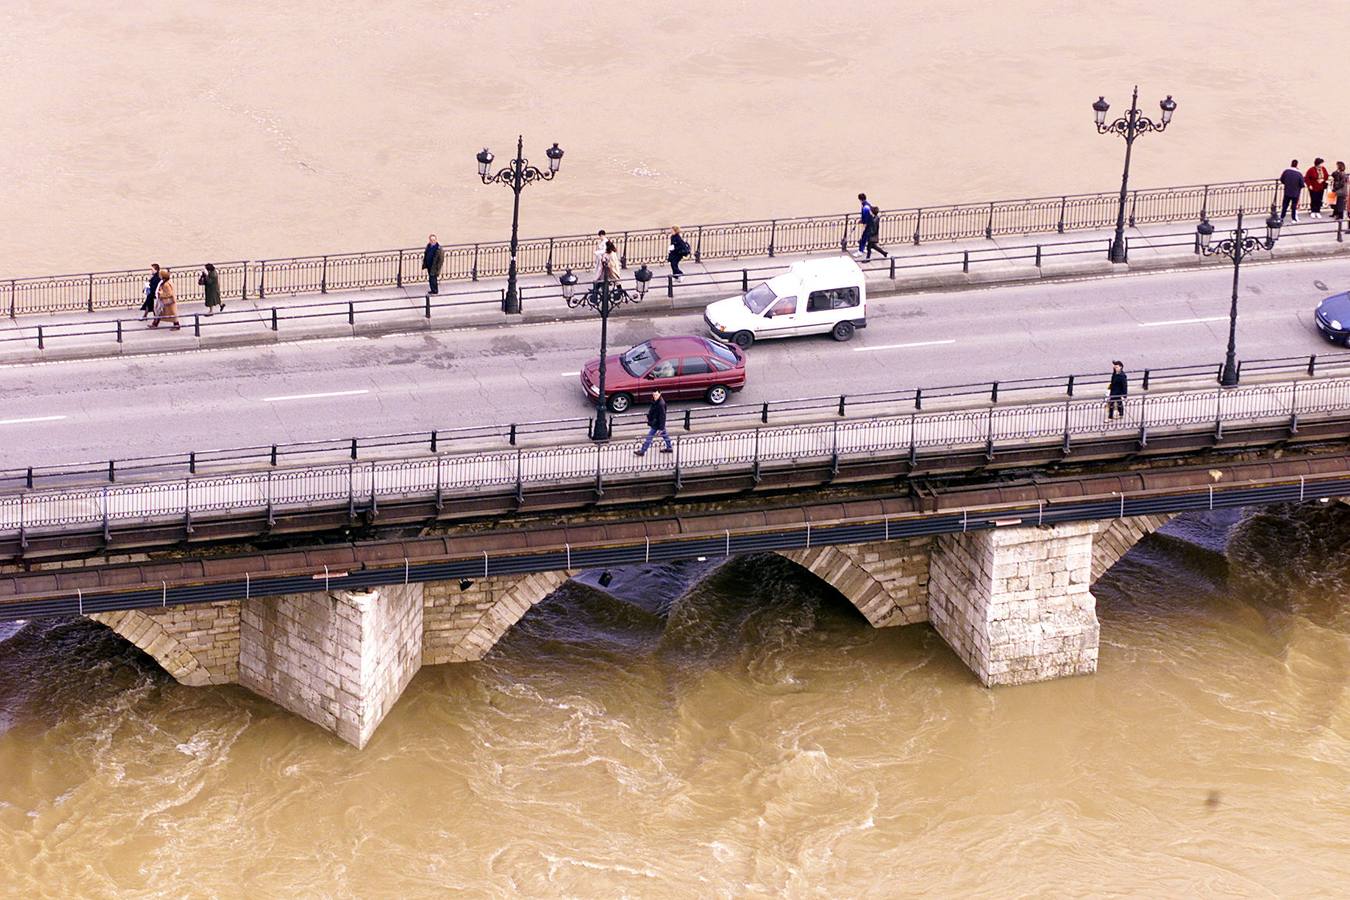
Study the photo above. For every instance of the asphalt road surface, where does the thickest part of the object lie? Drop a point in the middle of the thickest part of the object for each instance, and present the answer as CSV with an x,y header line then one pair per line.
x,y
93,409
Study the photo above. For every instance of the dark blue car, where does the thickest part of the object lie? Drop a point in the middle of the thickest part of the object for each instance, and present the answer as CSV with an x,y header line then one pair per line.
x,y
1333,319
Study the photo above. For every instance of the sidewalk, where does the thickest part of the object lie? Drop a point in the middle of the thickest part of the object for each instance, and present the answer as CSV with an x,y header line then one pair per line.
x,y
298,317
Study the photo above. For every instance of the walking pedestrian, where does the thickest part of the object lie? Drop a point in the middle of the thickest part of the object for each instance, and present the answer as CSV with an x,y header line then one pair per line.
x,y
679,249
151,291
610,268
1339,185
433,260
1316,180
864,219
1292,179
871,232
167,307
600,242
1120,387
656,424
210,282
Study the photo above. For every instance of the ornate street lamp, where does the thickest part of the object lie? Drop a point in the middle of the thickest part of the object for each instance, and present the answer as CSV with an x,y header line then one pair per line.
x,y
602,297
1236,247
516,175
1129,126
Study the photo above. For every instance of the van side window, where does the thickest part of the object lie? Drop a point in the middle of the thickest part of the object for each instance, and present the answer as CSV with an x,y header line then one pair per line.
x,y
845,297
819,301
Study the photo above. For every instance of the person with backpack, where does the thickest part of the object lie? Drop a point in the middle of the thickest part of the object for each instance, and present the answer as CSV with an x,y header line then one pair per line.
x,y
864,218
679,249
433,260
871,232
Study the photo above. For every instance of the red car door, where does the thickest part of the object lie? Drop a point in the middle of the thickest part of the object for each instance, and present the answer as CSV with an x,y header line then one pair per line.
x,y
696,376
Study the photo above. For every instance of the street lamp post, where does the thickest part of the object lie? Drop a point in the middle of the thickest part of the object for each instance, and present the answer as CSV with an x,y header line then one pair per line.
x,y
1129,126
602,297
1236,247
515,176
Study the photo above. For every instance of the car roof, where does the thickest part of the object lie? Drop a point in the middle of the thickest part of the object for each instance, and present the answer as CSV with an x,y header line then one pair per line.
x,y
679,345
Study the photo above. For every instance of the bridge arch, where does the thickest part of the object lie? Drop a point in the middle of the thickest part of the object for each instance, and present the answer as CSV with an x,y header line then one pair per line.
x,y
1114,539
461,624
887,582
198,645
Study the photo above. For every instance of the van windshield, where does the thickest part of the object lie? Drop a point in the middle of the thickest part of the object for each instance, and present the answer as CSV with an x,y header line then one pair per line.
x,y
760,298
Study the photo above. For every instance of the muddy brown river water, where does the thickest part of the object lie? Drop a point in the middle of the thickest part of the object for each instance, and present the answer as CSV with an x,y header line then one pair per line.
x,y
740,732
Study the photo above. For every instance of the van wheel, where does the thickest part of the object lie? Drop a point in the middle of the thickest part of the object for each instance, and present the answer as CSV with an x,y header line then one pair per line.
x,y
717,395
743,339
842,331
619,402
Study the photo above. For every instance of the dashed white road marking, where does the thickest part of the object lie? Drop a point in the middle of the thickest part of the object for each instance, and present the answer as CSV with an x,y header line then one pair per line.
x,y
314,396
569,374
904,346
31,419
1183,322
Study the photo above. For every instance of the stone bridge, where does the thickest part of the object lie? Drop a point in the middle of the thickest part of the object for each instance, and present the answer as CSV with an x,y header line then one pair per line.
x,y
1015,604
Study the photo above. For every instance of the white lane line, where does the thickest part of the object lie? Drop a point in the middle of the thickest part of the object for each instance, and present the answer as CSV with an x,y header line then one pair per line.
x,y
903,346
1183,322
569,374
31,419
313,396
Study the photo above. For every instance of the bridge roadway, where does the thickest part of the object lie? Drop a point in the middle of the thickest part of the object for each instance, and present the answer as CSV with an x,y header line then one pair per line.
x,y
65,412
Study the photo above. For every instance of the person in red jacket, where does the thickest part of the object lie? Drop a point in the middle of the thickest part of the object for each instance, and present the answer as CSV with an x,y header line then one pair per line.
x,y
1316,180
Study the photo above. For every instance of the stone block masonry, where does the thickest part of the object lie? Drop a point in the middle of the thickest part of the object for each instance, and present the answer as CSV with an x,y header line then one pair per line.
x,y
197,645
1015,604
338,659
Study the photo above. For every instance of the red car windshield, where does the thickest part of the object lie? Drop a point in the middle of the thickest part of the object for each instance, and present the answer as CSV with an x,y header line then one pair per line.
x,y
638,361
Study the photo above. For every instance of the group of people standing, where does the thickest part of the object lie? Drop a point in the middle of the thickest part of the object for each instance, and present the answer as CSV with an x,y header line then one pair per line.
x,y
161,298
1317,180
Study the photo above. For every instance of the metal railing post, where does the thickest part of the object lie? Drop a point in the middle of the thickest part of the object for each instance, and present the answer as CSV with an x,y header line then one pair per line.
x,y
989,225
91,294
323,277
398,270
745,280
262,279
42,343
119,331
1204,203
548,263
965,261
12,292
918,220
473,272
1134,202
698,245
274,318
351,313
623,255
773,233
1063,202
196,324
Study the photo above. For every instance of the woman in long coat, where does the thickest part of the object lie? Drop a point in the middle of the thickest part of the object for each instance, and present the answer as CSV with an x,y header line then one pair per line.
x,y
168,302
210,281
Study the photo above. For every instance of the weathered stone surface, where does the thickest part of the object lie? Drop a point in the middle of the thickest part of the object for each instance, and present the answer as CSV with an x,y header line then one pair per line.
x,y
463,625
887,582
338,659
1116,538
1014,603
197,645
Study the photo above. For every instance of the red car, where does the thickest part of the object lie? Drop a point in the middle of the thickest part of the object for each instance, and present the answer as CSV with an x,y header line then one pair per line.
x,y
679,367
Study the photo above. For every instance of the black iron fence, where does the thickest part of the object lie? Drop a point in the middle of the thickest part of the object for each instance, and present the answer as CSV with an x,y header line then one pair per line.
x,y
399,312
325,273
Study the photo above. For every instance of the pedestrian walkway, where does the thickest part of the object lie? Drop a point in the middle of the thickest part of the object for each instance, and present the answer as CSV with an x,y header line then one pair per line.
x,y
308,316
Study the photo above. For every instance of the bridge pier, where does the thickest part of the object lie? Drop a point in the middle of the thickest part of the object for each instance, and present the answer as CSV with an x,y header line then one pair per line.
x,y
1015,603
339,659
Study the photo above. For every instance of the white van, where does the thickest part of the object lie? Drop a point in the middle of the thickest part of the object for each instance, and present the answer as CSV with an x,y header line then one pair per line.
x,y
814,296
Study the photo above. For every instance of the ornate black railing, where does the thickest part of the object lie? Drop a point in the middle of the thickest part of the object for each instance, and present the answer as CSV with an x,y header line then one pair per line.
x,y
324,273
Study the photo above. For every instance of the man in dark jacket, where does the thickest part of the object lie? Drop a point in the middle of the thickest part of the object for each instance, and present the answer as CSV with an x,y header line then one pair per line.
x,y
433,258
151,286
679,249
1292,179
1120,387
656,424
